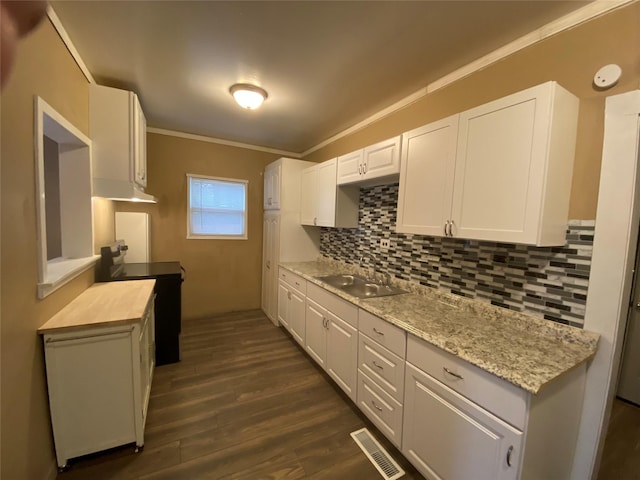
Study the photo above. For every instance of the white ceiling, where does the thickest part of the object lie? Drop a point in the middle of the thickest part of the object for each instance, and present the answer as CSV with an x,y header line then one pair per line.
x,y
327,65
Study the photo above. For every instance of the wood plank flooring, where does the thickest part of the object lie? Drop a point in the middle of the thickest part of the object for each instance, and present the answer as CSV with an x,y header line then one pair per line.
x,y
621,455
245,402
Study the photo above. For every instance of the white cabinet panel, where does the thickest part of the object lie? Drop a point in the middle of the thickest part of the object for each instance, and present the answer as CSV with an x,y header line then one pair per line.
x,y
350,167
374,165
270,259
426,179
342,354
383,410
315,334
448,437
272,177
323,203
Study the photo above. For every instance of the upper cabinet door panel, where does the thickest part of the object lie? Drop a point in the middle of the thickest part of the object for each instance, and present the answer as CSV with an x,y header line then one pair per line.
x,y
382,159
308,196
140,143
426,178
272,180
326,189
514,167
350,167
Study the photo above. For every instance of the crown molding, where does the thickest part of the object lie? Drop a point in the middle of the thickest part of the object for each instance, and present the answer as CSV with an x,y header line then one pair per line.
x,y
57,24
220,141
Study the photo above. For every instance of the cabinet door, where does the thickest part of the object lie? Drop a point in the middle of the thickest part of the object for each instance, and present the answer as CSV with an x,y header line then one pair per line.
x,y
272,178
326,193
342,354
308,196
447,437
283,304
350,167
382,159
500,168
140,143
296,316
426,177
316,333
271,230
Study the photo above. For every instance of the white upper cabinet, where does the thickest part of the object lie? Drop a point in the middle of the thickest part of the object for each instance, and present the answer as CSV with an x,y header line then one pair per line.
x,y
426,179
272,179
119,133
512,171
322,202
374,165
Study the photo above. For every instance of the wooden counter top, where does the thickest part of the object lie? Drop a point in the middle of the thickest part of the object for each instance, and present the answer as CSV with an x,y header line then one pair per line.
x,y
101,305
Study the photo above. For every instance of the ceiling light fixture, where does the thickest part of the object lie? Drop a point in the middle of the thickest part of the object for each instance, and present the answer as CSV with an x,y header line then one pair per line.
x,y
248,96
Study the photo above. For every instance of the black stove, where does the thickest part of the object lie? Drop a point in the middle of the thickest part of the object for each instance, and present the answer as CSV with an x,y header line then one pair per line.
x,y
168,291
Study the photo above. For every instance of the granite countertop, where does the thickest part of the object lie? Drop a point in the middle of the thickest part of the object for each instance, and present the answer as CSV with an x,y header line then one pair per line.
x,y
526,351
103,305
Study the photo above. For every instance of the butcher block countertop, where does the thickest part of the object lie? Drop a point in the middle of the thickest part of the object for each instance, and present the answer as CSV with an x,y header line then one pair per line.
x,y
526,351
103,305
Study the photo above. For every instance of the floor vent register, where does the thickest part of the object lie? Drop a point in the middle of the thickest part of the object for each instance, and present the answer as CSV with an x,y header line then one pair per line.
x,y
380,458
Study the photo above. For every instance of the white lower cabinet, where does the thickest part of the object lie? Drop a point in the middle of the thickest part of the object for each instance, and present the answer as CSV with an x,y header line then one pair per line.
x,y
446,436
99,381
291,302
332,338
460,422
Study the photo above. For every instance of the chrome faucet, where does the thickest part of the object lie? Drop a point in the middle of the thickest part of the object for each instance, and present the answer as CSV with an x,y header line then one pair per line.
x,y
373,265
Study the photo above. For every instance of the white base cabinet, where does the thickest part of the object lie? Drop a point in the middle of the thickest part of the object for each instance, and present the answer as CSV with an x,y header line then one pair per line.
x,y
332,337
99,382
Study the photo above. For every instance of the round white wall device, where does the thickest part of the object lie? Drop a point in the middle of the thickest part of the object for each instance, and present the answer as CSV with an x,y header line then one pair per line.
x,y
607,76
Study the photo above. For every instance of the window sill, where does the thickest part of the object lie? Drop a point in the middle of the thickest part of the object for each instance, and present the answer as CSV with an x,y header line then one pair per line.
x,y
61,271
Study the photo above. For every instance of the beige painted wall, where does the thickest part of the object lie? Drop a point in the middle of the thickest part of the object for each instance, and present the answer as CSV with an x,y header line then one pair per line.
x,y
44,68
221,275
571,58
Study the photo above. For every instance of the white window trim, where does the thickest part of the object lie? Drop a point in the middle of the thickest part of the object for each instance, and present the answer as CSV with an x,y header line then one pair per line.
x,y
191,236
53,274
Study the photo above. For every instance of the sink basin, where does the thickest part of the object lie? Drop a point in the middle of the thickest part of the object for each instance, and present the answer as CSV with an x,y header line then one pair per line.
x,y
360,287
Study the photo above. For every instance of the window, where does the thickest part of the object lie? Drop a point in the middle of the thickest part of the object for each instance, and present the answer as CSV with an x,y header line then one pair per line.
x,y
217,208
64,207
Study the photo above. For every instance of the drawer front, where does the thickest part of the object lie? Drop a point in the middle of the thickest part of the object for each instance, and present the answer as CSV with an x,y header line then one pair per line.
x,y
498,396
382,366
295,281
382,410
339,307
387,335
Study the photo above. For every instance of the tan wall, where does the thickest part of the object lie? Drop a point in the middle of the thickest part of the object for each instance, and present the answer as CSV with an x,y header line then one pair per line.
x,y
221,275
571,58
44,68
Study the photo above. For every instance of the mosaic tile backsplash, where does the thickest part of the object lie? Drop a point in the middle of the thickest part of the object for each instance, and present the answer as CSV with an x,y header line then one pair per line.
x,y
548,282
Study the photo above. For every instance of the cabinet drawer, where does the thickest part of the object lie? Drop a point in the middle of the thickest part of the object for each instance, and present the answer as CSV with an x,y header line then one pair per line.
x,y
383,366
336,305
296,281
387,335
503,399
382,410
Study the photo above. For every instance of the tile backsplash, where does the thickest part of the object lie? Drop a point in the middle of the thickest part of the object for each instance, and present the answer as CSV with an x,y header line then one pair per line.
x,y
548,282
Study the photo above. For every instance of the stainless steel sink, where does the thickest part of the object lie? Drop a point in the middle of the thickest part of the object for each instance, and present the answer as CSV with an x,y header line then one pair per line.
x,y
360,287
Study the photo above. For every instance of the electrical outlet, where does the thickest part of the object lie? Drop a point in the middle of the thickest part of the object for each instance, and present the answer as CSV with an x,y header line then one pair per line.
x,y
384,243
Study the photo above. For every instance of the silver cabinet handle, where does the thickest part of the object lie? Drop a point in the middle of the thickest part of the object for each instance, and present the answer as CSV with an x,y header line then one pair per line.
x,y
445,228
509,453
378,331
451,225
289,295
359,169
315,220
364,167
453,374
268,263
376,406
375,364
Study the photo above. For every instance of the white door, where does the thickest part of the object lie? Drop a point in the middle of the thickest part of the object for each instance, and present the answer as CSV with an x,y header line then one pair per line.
x,y
629,382
426,177
342,354
500,167
447,437
349,167
296,317
316,334
382,159
308,196
326,192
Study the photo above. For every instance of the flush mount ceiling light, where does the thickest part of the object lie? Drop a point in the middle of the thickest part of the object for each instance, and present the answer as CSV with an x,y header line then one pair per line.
x,y
248,96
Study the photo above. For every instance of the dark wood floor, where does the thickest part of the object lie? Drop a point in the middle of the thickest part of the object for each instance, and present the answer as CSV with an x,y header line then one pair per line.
x,y
244,403
621,455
